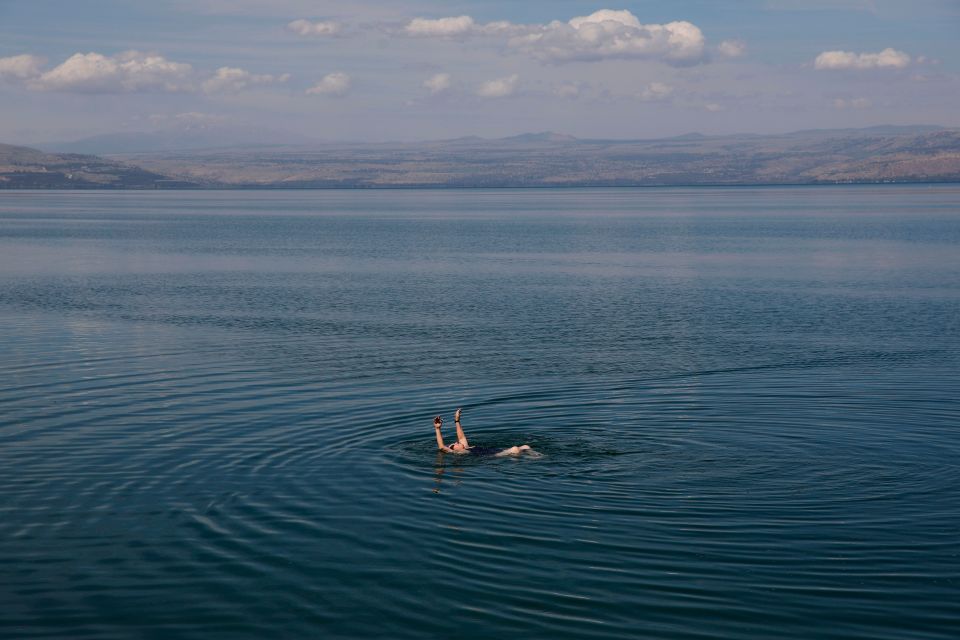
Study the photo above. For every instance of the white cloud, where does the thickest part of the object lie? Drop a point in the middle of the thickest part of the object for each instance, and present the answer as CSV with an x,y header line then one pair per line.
x,y
235,79
713,107
131,71
614,34
499,88
125,72
601,35
504,28
732,48
440,27
332,84
852,103
461,26
886,59
656,91
317,28
20,67
437,83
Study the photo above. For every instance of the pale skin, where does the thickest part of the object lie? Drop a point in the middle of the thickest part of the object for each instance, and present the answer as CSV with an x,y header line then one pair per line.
x,y
461,445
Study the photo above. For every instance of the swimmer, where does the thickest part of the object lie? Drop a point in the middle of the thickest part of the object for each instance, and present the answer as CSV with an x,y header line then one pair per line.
x,y
461,445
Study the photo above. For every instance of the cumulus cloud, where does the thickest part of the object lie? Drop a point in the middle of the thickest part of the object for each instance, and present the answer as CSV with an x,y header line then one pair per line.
x,y
22,67
656,91
332,84
437,83
732,48
886,59
614,34
315,28
852,103
499,88
460,27
601,35
440,27
126,72
235,79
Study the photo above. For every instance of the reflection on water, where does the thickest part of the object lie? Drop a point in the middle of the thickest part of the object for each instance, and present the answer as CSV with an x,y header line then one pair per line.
x,y
440,468
217,413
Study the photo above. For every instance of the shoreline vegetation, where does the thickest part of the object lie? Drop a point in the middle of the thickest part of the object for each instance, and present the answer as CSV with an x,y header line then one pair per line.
x,y
877,155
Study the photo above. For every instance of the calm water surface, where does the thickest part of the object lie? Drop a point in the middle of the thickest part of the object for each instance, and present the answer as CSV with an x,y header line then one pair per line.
x,y
216,413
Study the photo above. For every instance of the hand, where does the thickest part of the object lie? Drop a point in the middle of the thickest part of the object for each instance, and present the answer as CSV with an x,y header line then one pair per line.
x,y
437,422
456,416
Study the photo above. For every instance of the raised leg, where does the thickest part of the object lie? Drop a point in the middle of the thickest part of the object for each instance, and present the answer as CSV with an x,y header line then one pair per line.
x,y
461,436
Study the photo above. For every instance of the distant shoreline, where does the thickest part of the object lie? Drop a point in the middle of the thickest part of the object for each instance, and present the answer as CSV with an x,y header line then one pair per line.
x,y
776,185
525,162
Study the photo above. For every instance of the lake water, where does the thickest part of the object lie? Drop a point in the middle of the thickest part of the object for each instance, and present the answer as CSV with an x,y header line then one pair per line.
x,y
217,406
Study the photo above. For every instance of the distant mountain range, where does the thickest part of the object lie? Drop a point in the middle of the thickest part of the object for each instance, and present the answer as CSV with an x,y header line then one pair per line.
x,y
877,154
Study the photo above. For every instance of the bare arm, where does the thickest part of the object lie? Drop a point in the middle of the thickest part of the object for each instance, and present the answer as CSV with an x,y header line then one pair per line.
x,y
461,436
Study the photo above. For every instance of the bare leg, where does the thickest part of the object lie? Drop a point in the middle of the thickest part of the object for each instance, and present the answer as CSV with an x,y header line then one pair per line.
x,y
518,450
461,436
513,451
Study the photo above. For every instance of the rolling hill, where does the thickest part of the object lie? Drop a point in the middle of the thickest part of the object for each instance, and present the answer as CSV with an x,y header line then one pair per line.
x,y
873,155
26,168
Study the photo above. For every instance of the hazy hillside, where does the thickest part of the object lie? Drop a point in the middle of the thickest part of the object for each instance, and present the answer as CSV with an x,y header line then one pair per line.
x,y
25,168
809,157
880,154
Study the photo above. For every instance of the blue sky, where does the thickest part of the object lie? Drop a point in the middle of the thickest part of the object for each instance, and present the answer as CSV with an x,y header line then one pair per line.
x,y
424,69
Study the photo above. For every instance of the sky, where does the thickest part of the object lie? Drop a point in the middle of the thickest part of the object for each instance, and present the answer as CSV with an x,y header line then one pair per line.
x,y
397,70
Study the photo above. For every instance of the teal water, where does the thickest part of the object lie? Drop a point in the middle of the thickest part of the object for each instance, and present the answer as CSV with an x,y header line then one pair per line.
x,y
216,413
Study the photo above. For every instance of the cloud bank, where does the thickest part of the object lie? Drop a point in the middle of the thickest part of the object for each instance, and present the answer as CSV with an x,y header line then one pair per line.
x,y
602,35
886,59
126,72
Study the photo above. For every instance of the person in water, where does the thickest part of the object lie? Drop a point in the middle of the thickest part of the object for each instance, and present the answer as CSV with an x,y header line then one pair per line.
x,y
462,446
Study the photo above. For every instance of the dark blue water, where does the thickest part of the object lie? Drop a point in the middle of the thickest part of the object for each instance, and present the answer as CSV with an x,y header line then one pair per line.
x,y
215,413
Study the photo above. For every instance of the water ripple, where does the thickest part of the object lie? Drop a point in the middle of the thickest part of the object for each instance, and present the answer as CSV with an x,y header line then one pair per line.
x,y
240,444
